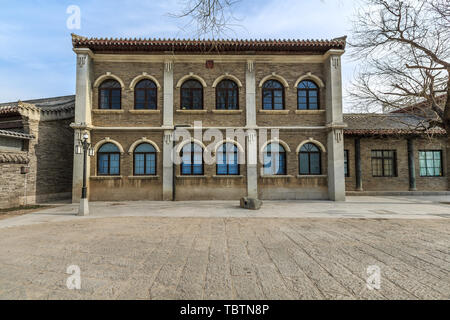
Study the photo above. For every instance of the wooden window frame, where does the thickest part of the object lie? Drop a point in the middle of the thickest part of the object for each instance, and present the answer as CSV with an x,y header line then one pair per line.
x,y
191,96
146,92
192,161
442,164
226,91
271,159
110,91
272,90
145,163
309,162
308,90
394,163
109,163
235,152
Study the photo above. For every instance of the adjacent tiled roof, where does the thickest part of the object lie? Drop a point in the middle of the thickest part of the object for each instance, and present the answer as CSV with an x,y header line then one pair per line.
x,y
16,134
386,124
207,46
56,106
14,158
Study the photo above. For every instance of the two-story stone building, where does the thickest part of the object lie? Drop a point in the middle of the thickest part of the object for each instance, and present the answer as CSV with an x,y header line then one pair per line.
x,y
132,93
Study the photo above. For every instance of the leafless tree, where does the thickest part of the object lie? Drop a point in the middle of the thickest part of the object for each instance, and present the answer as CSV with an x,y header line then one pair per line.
x,y
211,18
404,50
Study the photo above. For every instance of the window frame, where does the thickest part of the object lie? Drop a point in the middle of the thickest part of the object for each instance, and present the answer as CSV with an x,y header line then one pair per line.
x,y
109,163
309,161
347,163
272,90
226,91
145,161
307,90
146,90
192,161
191,96
271,154
441,164
236,153
394,161
110,91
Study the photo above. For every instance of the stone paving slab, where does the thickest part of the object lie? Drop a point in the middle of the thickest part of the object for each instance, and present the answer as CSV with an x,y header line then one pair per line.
x,y
227,258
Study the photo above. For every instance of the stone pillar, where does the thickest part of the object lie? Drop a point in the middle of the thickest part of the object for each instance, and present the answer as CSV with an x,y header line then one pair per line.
x,y
411,166
336,175
252,141
358,165
168,134
83,119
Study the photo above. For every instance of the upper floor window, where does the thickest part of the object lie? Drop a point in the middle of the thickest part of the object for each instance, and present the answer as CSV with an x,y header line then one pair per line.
x,y
273,95
144,160
430,163
110,93
108,160
384,163
274,158
227,95
308,95
310,160
145,95
192,160
227,159
192,95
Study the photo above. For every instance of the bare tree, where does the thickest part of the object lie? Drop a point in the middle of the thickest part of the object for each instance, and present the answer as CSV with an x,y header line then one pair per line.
x,y
211,17
404,49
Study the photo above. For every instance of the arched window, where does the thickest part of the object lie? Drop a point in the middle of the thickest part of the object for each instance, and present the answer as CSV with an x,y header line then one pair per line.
x,y
145,95
273,95
145,160
274,158
307,95
108,160
310,160
192,95
227,160
227,95
109,95
192,160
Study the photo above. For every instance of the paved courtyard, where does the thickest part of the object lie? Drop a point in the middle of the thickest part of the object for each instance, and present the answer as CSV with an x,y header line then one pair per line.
x,y
135,256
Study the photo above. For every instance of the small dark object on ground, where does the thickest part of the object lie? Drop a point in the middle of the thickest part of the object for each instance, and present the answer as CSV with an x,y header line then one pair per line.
x,y
251,204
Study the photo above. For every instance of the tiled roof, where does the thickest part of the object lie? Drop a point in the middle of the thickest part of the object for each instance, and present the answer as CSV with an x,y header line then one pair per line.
x,y
207,46
15,134
57,106
386,124
54,102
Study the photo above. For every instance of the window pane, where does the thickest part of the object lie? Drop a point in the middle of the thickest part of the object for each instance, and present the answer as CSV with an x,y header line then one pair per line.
x,y
114,164
103,164
304,164
197,99
115,99
220,99
315,163
198,169
140,99
267,163
109,147
139,164
221,169
150,164
281,164
267,100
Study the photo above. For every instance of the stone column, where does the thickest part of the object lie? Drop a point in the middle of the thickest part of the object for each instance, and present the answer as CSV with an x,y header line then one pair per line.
x,y
411,166
358,165
252,141
336,175
83,119
168,134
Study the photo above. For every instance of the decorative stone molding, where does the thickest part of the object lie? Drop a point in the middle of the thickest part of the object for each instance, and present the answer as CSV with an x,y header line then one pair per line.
x,y
14,158
143,140
310,76
275,141
229,77
168,65
107,76
278,112
274,76
250,65
187,141
191,75
315,142
237,144
108,140
143,76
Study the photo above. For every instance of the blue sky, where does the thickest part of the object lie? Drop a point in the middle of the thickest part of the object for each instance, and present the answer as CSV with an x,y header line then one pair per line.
x,y
36,57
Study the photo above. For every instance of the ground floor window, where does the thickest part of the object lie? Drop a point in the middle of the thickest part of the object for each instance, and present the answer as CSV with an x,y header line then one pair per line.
x,y
430,163
192,160
227,160
310,160
346,167
274,160
384,163
145,160
109,160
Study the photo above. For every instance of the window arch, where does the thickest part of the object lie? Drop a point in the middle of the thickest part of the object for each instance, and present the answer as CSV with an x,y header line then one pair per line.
x,y
191,95
307,95
273,95
310,162
192,160
110,95
227,95
145,95
108,156
227,157
274,160
144,160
